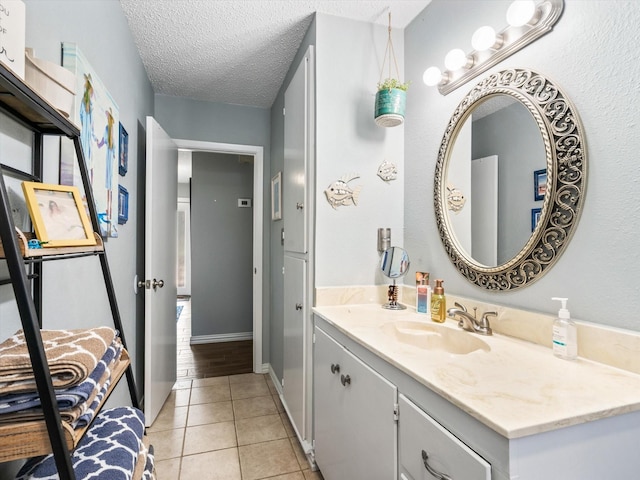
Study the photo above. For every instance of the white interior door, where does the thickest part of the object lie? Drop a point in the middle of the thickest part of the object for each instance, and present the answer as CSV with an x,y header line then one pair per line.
x,y
183,266
484,202
160,292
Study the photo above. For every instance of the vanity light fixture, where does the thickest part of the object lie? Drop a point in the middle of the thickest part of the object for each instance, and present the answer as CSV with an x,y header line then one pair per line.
x,y
527,20
485,38
456,59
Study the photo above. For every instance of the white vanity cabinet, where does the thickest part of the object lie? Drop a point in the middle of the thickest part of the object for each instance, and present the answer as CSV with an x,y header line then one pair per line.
x,y
354,416
427,450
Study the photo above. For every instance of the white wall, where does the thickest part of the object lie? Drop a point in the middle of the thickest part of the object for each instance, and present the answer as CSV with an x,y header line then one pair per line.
x,y
592,54
349,56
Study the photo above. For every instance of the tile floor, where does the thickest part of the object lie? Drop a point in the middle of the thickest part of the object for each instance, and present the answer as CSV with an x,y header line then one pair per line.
x,y
223,427
227,428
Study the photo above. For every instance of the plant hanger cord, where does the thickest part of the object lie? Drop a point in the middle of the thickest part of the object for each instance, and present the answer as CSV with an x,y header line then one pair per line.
x,y
389,52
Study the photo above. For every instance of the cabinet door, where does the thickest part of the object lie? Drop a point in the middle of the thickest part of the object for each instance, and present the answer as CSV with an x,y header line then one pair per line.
x,y
294,305
331,449
447,455
296,157
354,427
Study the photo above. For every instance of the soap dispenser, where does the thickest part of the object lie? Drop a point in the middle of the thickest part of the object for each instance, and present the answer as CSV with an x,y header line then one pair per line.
x,y
565,333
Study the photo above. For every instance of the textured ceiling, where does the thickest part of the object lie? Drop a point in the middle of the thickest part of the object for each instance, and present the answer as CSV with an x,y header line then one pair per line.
x,y
237,51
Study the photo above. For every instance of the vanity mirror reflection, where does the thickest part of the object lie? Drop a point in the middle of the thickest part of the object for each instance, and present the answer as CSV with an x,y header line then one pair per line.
x,y
499,232
394,263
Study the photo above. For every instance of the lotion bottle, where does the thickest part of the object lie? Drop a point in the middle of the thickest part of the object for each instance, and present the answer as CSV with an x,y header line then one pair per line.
x,y
565,333
423,294
438,303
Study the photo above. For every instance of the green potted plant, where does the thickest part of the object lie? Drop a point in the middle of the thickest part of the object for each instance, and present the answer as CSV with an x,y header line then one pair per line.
x,y
391,101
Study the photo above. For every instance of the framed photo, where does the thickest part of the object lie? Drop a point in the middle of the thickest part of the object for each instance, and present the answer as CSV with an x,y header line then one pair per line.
x,y
539,184
123,152
123,205
535,217
276,197
58,215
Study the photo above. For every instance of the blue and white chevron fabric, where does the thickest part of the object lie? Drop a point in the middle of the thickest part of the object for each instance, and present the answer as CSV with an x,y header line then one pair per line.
x,y
67,398
108,451
149,468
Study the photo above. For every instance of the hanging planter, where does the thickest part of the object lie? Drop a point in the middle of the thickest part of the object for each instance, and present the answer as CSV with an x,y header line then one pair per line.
x,y
391,99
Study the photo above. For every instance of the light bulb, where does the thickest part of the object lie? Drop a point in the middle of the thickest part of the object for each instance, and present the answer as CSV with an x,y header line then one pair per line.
x,y
521,12
455,60
432,76
484,38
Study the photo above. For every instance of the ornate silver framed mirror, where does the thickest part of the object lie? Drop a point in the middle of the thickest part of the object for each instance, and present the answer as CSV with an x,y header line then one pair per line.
x,y
510,179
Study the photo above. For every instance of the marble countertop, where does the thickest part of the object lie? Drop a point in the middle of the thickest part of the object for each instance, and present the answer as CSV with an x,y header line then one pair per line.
x,y
517,388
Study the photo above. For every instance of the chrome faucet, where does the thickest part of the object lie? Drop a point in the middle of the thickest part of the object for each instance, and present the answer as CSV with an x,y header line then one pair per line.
x,y
469,322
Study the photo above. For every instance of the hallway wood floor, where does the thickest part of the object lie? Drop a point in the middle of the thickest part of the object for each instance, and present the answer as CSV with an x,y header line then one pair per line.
x,y
211,359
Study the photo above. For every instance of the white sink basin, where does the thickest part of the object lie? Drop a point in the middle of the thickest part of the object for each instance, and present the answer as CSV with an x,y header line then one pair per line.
x,y
432,336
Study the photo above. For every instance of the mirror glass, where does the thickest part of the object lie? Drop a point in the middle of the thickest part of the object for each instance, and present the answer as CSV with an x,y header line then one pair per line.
x,y
394,262
510,179
490,174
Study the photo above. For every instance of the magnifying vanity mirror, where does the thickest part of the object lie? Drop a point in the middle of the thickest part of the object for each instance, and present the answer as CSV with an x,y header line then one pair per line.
x,y
510,179
394,264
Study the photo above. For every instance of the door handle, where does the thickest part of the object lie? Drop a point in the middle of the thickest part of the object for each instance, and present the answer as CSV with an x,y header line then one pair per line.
x,y
298,306
345,380
299,206
335,368
157,283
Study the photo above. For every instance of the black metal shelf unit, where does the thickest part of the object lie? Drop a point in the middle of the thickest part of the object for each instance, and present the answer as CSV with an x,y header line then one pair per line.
x,y
22,104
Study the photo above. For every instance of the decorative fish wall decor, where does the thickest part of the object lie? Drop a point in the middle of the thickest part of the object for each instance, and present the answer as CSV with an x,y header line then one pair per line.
x,y
387,171
455,199
340,193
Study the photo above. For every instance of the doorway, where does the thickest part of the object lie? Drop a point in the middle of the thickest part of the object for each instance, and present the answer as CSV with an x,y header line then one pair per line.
x,y
257,237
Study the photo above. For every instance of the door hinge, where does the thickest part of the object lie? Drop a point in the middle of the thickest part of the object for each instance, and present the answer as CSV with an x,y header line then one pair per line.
x,y
313,338
283,111
396,412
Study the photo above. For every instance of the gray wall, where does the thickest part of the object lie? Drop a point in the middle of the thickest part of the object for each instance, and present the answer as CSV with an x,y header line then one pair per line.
x,y
74,290
221,245
512,134
592,55
187,119
349,58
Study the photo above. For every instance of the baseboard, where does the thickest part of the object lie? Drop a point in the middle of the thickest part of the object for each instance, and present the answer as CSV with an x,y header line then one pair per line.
x,y
221,337
274,379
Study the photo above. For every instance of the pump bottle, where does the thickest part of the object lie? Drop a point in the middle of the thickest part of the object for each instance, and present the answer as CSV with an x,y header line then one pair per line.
x,y
565,333
438,303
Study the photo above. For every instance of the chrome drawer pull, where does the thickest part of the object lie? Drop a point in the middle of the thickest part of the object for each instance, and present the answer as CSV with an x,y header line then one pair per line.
x,y
435,473
335,368
345,380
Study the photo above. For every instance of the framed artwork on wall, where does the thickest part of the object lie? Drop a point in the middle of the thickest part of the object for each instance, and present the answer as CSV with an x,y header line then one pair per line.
x,y
535,217
123,152
276,197
123,205
539,184
58,215
97,114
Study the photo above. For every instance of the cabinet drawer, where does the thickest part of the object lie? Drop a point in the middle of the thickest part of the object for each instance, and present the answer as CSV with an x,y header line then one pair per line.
x,y
419,433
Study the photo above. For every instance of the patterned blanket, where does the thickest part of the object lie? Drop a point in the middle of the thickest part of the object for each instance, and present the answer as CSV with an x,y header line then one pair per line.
x,y
109,449
71,354
72,401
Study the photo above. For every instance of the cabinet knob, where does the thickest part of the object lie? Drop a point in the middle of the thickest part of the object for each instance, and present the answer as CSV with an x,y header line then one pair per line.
x,y
434,473
335,368
299,206
345,380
